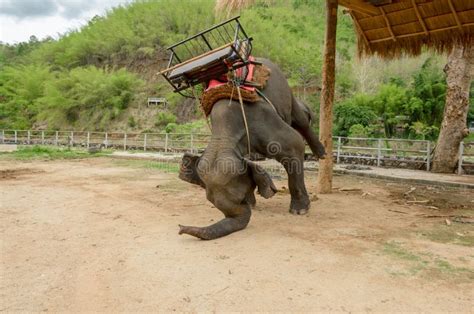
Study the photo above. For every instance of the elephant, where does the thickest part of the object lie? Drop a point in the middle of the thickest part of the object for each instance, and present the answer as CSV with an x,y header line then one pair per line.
x,y
277,130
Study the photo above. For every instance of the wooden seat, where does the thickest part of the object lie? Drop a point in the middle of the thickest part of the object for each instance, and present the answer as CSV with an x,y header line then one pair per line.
x,y
229,47
208,66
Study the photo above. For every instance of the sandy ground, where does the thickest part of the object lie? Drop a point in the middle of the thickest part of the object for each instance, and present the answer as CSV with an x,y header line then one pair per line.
x,y
101,235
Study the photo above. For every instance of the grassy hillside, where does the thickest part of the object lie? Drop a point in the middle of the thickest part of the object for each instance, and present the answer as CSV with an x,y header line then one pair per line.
x,y
98,77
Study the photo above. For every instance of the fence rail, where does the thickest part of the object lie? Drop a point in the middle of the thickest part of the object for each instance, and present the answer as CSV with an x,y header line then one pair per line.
x,y
373,151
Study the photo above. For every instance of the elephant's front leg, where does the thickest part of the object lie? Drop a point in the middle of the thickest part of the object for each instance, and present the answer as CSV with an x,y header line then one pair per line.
x,y
300,202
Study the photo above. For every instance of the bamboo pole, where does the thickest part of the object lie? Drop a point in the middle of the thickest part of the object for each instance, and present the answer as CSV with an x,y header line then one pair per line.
x,y
327,98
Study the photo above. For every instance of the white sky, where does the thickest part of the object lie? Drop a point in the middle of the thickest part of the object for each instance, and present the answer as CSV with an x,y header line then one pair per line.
x,y
19,19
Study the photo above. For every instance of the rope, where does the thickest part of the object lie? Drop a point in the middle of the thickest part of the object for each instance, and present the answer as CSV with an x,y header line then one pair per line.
x,y
245,119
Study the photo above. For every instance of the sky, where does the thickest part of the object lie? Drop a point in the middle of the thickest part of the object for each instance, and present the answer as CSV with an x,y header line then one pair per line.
x,y
19,19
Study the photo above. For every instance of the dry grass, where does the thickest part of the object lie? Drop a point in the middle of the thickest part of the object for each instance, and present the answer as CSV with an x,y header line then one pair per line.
x,y
398,29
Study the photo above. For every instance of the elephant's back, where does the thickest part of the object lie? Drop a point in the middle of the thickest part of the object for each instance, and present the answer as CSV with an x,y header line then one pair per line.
x,y
277,90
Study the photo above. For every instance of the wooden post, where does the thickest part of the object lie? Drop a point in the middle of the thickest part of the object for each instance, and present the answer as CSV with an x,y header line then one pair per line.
x,y
88,139
379,151
338,150
327,98
428,155
28,137
192,143
106,140
42,137
16,137
166,143
461,152
144,143
124,141
3,136
72,139
56,138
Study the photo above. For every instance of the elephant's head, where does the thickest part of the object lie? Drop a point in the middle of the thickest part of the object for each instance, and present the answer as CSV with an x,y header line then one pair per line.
x,y
230,183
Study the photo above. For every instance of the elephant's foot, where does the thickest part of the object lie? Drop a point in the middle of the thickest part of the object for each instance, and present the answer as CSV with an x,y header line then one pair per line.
x,y
300,207
221,228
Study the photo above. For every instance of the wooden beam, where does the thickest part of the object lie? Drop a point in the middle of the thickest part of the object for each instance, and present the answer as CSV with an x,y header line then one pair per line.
x,y
360,6
362,33
328,78
420,33
456,17
423,25
388,24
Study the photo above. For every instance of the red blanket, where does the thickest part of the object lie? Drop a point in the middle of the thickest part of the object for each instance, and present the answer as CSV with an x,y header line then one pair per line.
x,y
223,79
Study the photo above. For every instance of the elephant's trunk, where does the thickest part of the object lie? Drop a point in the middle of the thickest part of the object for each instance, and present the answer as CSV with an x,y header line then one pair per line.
x,y
221,228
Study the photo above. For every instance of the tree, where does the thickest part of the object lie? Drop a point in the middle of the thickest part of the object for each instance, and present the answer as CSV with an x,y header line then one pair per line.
x,y
454,126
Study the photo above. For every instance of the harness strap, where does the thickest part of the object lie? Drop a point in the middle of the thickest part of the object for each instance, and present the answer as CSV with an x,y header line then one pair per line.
x,y
245,119
266,99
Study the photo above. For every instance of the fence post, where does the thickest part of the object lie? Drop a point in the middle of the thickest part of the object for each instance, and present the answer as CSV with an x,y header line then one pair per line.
x,y
338,156
461,152
28,137
166,143
3,136
56,138
124,141
144,143
16,137
106,140
42,137
379,151
72,139
88,139
192,143
428,155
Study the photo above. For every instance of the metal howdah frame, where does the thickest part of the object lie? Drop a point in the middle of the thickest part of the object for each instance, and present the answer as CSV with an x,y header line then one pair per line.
x,y
228,33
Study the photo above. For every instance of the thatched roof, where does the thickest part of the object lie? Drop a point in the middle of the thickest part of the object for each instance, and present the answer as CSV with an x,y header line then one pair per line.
x,y
393,27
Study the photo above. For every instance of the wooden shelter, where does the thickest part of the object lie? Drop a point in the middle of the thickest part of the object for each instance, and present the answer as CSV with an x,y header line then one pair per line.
x,y
389,28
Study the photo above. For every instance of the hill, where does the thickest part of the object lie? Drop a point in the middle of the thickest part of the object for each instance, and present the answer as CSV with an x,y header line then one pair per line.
x,y
98,77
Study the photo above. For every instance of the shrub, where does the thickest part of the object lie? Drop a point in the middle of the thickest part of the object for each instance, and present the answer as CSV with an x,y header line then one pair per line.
x,y
164,118
352,112
358,130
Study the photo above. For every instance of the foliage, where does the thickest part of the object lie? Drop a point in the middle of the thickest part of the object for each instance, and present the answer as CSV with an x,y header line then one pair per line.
x,y
415,110
83,79
164,118
35,94
352,112
358,130
190,127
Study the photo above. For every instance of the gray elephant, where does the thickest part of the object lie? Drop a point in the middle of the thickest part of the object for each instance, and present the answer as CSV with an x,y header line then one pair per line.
x,y
276,132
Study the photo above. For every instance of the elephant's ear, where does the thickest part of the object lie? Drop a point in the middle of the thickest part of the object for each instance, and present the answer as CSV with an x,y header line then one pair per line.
x,y
262,179
188,169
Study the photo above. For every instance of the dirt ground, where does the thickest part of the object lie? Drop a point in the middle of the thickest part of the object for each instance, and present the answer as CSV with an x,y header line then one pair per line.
x,y
102,235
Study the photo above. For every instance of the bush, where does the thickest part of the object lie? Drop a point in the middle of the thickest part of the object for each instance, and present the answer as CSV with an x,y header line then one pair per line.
x,y
131,122
164,118
354,111
358,130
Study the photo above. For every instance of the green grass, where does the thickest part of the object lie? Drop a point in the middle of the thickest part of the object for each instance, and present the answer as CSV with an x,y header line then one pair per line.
x,y
49,153
416,263
469,138
170,167
455,234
